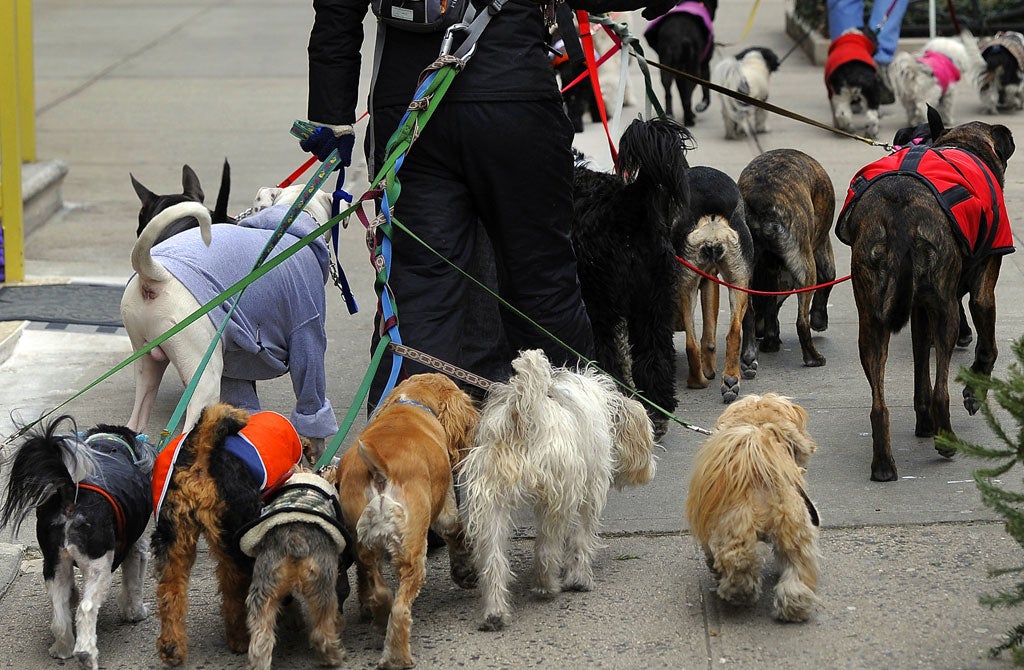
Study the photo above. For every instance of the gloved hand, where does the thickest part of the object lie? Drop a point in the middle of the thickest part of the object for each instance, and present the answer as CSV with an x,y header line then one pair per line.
x,y
658,7
328,138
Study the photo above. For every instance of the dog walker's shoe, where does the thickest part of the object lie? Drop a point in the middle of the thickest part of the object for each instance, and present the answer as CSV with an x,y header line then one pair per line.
x,y
885,94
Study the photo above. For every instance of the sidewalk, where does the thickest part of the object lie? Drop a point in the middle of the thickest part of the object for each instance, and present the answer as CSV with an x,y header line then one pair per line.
x,y
141,88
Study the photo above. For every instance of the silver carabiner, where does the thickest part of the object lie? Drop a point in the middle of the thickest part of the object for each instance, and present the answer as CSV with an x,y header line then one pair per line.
x,y
449,37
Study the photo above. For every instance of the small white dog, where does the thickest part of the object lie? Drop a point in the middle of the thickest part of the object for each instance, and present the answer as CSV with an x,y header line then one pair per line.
x,y
557,439
747,72
277,327
930,77
748,486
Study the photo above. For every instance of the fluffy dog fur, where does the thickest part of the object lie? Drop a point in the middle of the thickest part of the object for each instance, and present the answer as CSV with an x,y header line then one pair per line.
x,y
748,486
853,82
557,439
1001,83
211,494
621,230
747,72
154,301
680,39
790,202
914,81
396,483
714,238
191,191
297,556
908,264
63,477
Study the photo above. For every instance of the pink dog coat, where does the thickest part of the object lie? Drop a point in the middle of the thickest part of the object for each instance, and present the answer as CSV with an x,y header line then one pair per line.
x,y
942,67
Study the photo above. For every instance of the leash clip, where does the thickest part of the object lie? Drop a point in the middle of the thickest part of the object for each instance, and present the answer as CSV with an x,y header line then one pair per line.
x,y
449,39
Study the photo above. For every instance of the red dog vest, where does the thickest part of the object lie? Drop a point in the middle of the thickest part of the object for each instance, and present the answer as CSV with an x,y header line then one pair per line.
x,y
846,48
967,189
268,445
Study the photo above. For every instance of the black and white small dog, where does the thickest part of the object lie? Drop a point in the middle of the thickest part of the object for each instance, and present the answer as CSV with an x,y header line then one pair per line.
x,y
621,230
684,39
1001,83
852,80
91,493
191,191
748,73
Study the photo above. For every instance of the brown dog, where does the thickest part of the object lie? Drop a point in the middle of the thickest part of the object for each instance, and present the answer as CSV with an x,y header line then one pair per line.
x,y
911,262
790,202
209,483
395,483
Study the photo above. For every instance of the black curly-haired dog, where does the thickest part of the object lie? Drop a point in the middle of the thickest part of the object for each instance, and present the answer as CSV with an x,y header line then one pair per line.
x,y
621,230
714,238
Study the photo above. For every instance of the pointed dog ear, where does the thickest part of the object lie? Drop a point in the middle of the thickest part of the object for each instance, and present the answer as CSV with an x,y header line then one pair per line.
x,y
190,184
145,195
1002,142
935,125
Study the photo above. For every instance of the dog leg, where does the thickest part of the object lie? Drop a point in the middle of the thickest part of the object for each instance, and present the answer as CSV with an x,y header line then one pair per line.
x,y
148,373
325,619
549,547
695,378
173,571
796,555
812,358
982,304
737,562
964,335
731,373
490,550
583,542
709,302
825,273
60,585
923,335
263,606
96,578
234,587
410,562
748,357
133,575
374,595
873,343
449,526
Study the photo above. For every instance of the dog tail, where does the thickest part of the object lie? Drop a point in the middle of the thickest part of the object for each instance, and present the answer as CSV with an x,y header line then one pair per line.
x,y
894,298
384,514
142,260
49,463
903,70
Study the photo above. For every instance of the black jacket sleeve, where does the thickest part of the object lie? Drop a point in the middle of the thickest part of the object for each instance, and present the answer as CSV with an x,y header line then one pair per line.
x,y
657,7
334,60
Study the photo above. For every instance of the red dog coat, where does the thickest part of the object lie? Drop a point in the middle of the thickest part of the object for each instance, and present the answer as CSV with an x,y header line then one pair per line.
x,y
846,48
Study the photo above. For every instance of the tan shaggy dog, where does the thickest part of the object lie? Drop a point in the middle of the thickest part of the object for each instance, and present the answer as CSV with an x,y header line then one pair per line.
x,y
748,486
395,483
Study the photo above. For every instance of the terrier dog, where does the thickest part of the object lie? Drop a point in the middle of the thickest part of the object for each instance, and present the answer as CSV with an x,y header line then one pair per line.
x,y
714,238
747,72
1001,83
209,483
748,486
684,38
790,201
558,439
852,80
191,191
395,484
90,493
301,549
927,225
930,76
277,327
621,230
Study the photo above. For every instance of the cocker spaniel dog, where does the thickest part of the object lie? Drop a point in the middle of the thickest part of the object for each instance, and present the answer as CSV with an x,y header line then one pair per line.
x,y
396,483
555,438
748,486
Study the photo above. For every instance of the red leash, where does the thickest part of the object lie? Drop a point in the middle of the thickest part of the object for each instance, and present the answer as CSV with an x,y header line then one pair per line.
x,y
755,292
587,38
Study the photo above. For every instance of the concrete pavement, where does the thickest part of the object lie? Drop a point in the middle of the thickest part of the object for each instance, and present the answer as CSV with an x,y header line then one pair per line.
x,y
144,87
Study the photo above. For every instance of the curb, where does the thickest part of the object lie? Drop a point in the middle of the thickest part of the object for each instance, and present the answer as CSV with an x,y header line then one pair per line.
x,y
10,565
10,334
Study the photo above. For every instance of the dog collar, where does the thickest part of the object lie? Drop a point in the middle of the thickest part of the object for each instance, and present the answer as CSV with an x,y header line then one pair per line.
x,y
407,401
111,438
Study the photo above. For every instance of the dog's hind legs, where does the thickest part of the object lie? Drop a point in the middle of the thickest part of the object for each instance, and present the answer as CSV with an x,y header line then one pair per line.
x,y
374,595
983,312
96,578
731,373
133,574
148,373
234,587
825,271
709,302
490,542
262,605
964,335
737,564
61,586
549,546
923,335
873,343
812,358
796,557
582,542
174,565
411,569
449,526
325,619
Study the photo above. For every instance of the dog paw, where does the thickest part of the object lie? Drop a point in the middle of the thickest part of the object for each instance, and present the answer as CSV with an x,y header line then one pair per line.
x,y
812,359
748,369
883,470
464,576
58,650
819,321
171,653
492,622
87,660
136,613
944,451
770,345
388,663
971,403
578,585
730,388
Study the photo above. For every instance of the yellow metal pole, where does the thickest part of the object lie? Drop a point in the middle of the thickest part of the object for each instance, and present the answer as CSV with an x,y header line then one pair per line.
x,y
26,80
11,209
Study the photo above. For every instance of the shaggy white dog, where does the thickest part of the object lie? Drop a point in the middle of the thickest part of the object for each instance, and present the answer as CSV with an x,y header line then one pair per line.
x,y
557,439
747,72
931,76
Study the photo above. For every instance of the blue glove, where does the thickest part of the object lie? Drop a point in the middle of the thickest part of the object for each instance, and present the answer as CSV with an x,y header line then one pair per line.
x,y
324,141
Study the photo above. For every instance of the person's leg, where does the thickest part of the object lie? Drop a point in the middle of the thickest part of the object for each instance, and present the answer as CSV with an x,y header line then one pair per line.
x,y
844,14
525,201
889,33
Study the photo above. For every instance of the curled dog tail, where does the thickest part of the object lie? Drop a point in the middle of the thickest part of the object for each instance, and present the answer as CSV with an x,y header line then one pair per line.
x,y
142,261
384,516
47,464
218,421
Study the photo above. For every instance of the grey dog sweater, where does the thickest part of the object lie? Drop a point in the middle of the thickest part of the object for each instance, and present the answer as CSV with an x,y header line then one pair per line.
x,y
278,325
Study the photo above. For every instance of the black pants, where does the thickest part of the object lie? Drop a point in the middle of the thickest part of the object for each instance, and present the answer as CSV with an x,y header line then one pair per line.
x,y
503,169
